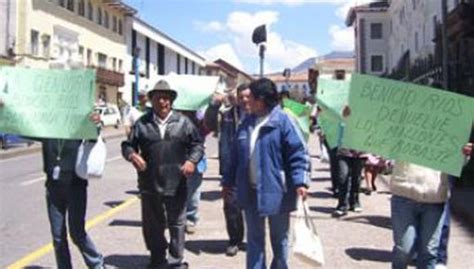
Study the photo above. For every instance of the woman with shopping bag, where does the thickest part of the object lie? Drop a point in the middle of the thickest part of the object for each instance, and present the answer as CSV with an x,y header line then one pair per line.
x,y
271,169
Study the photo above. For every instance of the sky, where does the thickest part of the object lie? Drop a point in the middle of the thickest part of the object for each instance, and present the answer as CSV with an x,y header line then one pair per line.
x,y
296,29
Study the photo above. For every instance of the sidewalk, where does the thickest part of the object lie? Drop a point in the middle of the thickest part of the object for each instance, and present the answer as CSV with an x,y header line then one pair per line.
x,y
23,149
358,240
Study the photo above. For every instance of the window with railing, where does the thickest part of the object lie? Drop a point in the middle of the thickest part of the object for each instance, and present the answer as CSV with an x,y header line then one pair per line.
x,y
376,30
70,5
34,39
102,60
90,11
106,19
99,16
120,27
376,63
46,40
114,24
81,8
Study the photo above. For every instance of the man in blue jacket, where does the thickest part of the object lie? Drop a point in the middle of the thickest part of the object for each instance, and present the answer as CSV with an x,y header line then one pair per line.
x,y
271,168
225,121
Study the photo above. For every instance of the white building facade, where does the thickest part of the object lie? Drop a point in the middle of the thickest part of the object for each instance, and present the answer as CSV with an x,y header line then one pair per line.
x,y
370,24
158,54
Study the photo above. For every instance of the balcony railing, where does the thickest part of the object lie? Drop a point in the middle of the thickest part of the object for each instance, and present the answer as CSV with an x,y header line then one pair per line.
x,y
109,77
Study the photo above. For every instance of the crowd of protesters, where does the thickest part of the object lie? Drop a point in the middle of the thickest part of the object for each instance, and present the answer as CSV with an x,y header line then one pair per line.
x,y
265,166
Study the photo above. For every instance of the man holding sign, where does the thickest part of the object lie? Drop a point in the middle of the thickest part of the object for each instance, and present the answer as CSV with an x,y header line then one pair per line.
x,y
60,126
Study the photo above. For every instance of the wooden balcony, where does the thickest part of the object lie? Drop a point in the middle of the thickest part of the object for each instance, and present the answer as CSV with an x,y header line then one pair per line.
x,y
109,77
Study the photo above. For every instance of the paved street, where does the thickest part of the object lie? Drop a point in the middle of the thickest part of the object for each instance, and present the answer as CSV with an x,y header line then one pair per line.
x,y
359,240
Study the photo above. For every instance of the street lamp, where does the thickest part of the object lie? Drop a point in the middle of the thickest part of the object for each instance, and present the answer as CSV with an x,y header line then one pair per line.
x,y
259,36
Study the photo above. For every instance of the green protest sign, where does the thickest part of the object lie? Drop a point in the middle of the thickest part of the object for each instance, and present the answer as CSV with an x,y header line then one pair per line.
x,y
331,126
194,92
47,103
300,114
333,94
408,122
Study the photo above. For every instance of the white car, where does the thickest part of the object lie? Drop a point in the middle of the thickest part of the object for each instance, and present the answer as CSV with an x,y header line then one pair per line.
x,y
109,115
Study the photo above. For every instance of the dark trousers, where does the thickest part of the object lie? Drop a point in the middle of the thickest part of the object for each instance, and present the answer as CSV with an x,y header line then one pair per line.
x,y
233,218
349,170
158,211
333,166
66,201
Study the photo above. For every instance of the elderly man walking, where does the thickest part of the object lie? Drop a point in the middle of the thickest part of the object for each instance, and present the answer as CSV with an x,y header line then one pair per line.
x,y
164,147
271,168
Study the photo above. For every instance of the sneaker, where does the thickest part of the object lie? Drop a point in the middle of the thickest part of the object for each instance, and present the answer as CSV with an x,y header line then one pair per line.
x,y
440,266
190,227
339,212
232,250
356,208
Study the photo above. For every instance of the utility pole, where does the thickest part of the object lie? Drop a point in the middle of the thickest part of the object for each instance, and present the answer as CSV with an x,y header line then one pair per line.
x,y
444,36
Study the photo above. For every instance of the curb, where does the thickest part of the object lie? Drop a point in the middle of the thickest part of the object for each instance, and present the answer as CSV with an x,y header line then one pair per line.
x,y
37,148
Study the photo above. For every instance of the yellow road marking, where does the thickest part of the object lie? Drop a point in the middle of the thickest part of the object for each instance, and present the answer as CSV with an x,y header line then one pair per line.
x,y
28,259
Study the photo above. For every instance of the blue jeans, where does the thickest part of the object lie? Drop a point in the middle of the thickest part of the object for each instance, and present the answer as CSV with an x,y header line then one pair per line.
x,y
348,173
68,201
279,228
414,221
443,242
193,198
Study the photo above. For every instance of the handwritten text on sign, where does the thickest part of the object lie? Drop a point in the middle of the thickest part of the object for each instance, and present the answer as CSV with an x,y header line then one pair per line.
x,y
47,103
409,122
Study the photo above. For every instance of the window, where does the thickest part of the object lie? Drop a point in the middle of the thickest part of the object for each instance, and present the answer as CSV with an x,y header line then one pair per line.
x,y
81,8
340,74
102,60
62,3
185,65
413,3
416,41
90,11
376,63
114,24
106,19
193,68
376,31
46,39
70,5
161,59
435,22
34,36
81,53
120,65
114,64
99,16
89,57
178,64
120,27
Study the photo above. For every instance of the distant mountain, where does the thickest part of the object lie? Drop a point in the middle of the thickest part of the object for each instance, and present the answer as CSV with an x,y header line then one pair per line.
x,y
302,67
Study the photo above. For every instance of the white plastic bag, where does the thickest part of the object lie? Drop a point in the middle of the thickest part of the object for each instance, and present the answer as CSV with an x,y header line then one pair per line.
x,y
91,157
307,246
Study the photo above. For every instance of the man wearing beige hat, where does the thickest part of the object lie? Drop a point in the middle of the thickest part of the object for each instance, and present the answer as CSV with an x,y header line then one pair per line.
x,y
164,147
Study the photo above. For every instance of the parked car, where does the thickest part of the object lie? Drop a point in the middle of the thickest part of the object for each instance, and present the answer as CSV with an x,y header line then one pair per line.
x,y
8,140
109,115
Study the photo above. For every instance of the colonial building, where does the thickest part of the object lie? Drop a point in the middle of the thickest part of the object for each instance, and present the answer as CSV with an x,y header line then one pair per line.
x,y
229,75
156,54
370,24
412,48
69,34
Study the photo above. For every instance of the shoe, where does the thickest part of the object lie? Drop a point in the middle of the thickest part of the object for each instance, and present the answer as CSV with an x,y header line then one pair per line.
x,y
356,208
440,266
339,212
231,250
190,227
152,265
183,265
367,192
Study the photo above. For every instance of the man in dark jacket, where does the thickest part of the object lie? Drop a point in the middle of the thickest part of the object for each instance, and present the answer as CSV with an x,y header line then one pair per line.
x,y
164,147
225,121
